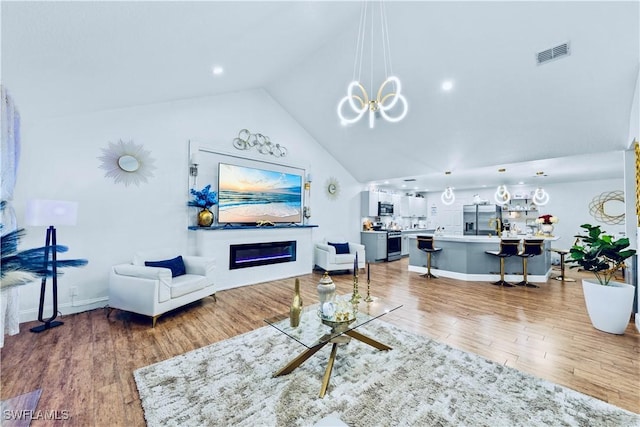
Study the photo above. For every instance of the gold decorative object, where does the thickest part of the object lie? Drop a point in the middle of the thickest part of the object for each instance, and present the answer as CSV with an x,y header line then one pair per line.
x,y
368,297
205,218
597,207
265,223
355,297
296,306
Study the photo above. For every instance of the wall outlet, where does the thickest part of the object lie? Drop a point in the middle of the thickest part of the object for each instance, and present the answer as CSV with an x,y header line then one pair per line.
x,y
74,291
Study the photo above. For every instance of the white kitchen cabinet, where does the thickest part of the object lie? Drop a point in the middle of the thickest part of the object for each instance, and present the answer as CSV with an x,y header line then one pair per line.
x,y
369,203
405,209
417,207
385,197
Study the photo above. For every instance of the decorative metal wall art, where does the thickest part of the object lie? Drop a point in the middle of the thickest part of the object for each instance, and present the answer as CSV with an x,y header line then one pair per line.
x,y
247,140
597,207
127,162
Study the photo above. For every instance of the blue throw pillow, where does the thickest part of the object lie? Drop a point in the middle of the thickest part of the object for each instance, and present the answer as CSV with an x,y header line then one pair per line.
x,y
341,248
176,265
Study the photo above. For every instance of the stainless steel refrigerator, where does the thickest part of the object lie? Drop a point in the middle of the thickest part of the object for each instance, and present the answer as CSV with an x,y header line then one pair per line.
x,y
476,219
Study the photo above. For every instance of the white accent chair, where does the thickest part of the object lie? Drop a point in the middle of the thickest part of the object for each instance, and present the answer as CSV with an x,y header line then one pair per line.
x,y
326,258
152,291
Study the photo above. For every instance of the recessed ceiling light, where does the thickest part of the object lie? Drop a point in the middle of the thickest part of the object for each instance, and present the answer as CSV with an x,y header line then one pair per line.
x,y
217,70
404,185
521,182
539,173
502,170
447,173
447,85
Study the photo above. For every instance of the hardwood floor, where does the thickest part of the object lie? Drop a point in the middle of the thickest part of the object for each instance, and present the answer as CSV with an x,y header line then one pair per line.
x,y
85,366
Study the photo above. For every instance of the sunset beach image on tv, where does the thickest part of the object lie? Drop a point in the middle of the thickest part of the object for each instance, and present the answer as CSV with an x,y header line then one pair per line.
x,y
249,195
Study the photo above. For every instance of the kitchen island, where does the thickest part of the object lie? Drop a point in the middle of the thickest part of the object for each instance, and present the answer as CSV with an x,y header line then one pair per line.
x,y
464,258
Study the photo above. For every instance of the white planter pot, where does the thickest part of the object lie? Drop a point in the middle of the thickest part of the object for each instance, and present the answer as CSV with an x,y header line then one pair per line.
x,y
609,307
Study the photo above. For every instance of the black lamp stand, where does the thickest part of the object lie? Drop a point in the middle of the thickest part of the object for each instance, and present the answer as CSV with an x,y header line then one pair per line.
x,y
50,246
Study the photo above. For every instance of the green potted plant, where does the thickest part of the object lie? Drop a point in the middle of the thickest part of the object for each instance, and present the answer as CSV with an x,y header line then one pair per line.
x,y
609,303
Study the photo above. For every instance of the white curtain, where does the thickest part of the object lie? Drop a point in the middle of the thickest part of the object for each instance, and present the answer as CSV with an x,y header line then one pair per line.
x,y
10,150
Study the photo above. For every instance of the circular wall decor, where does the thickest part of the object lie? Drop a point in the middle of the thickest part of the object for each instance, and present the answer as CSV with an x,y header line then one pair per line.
x,y
127,162
333,188
603,207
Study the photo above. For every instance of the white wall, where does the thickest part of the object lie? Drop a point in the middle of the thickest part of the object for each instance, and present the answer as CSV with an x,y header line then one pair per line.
x,y
59,161
568,201
630,182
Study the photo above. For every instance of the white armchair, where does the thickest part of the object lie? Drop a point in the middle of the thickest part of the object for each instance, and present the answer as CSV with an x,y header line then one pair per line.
x,y
326,257
152,291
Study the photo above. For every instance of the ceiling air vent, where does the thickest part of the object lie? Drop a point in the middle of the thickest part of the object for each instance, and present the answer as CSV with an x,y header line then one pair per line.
x,y
553,53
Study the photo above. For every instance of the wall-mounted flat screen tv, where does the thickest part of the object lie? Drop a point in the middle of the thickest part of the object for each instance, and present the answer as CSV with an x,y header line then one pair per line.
x,y
248,195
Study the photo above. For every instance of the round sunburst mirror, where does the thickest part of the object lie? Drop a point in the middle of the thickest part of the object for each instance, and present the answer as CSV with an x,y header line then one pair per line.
x,y
333,188
127,162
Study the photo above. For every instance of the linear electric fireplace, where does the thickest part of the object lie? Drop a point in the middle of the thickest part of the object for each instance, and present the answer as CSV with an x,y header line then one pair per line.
x,y
254,254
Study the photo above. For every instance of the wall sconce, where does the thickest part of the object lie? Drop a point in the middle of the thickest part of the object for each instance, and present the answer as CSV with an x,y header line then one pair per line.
x,y
306,211
502,196
195,161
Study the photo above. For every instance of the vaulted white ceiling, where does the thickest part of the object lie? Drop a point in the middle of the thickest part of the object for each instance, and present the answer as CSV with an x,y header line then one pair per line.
x,y
568,118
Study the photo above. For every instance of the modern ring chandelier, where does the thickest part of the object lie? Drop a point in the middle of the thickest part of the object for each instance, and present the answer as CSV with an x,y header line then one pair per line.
x,y
540,197
389,102
448,197
502,196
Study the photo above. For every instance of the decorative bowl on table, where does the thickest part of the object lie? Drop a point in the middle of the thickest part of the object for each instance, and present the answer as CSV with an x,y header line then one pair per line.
x,y
338,325
337,314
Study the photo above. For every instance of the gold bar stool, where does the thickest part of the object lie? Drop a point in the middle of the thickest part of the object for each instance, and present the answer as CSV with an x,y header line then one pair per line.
x,y
507,248
425,244
530,248
562,253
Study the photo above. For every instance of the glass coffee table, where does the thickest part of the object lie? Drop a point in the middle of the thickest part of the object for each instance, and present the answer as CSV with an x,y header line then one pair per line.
x,y
314,333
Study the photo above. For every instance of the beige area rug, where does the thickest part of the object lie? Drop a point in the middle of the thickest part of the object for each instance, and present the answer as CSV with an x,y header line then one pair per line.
x,y
419,383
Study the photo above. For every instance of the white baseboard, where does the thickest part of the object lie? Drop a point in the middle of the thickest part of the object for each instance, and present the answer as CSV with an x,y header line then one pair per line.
x,y
65,308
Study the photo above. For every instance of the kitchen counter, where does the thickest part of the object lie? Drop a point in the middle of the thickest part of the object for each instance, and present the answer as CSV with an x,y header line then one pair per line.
x,y
464,258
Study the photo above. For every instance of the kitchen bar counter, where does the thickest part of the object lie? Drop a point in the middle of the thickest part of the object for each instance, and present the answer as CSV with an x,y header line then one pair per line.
x,y
464,258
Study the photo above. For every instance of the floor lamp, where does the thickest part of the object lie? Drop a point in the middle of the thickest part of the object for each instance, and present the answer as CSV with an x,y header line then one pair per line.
x,y
50,213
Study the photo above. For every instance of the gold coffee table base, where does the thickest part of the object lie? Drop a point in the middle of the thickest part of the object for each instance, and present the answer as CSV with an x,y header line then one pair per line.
x,y
342,339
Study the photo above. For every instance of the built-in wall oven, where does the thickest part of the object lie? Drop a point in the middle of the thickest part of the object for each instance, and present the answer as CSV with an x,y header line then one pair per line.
x,y
394,245
385,209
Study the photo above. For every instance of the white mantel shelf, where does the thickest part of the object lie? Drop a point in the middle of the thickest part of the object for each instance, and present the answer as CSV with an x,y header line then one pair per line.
x,y
250,227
